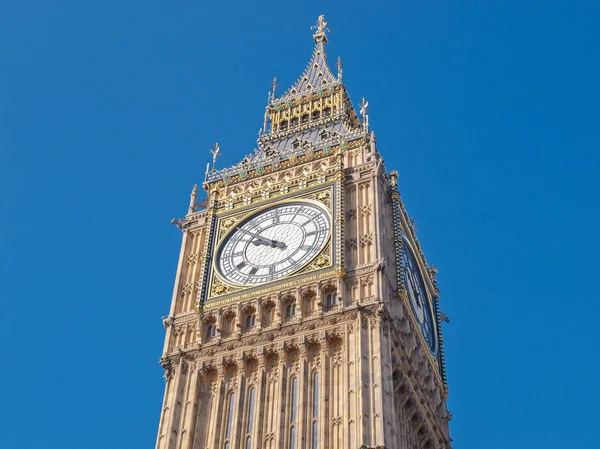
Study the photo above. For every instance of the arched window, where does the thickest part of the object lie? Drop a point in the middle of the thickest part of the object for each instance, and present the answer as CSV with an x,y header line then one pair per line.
x,y
251,400
250,320
268,314
332,299
290,310
294,405
251,409
209,332
230,418
315,411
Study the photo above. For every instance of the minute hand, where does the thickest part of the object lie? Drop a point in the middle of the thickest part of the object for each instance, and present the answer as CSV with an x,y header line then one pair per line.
x,y
263,240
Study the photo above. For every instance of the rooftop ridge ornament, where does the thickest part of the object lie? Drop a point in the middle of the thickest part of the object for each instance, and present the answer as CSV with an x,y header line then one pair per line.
x,y
322,30
274,86
339,66
216,152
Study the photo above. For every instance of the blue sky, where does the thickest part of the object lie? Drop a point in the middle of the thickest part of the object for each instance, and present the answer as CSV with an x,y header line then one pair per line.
x,y
488,109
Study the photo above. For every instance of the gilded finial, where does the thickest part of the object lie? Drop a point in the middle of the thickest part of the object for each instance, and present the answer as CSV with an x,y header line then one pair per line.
x,y
393,178
274,86
339,66
321,29
216,152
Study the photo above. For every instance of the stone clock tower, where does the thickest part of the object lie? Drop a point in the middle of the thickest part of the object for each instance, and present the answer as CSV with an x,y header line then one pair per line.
x,y
304,314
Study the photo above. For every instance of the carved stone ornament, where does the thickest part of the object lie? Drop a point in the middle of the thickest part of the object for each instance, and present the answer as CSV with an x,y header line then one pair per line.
x,y
219,288
322,261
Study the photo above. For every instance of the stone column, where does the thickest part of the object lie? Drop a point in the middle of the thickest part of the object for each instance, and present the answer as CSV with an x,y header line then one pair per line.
x,y
161,439
174,298
280,428
303,381
324,423
190,404
215,424
299,303
259,313
376,367
259,407
239,403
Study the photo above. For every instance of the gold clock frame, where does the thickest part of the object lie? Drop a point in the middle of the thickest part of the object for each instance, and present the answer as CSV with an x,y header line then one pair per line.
x,y
322,197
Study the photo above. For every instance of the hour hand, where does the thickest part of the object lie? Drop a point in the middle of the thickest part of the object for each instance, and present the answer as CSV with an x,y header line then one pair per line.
x,y
263,240
268,242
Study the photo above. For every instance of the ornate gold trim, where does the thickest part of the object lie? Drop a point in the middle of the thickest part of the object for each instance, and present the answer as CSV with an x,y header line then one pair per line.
x,y
322,198
274,287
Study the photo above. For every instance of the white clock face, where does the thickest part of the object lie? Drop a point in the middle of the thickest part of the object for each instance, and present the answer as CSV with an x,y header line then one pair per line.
x,y
273,243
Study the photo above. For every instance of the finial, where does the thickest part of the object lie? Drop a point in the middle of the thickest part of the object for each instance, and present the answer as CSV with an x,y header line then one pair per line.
x,y
393,178
215,152
274,86
364,108
193,197
321,29
339,66
206,173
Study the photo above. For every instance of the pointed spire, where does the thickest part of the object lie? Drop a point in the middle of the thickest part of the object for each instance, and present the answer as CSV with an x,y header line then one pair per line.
x,y
317,74
193,197
206,174
339,66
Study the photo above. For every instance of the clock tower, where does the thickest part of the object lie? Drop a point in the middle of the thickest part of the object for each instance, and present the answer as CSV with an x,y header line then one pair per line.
x,y
304,313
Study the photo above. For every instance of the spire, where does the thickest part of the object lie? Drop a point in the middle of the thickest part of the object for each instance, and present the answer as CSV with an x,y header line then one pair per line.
x,y
339,66
315,113
317,75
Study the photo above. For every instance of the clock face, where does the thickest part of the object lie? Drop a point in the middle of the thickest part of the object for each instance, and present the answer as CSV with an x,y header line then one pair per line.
x,y
273,243
418,299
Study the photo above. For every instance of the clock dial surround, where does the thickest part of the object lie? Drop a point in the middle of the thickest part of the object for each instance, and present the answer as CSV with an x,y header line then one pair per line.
x,y
417,296
273,243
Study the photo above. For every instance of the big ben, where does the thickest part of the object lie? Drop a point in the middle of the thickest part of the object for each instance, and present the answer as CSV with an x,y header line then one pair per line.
x,y
304,313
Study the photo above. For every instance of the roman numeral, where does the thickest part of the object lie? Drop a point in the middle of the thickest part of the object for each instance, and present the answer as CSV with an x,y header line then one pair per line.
x,y
241,265
305,247
253,271
311,233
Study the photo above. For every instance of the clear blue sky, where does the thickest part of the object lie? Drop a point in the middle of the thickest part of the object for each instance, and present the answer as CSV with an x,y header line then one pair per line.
x,y
487,108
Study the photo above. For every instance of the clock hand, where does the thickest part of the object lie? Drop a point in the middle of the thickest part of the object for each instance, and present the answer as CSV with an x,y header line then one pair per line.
x,y
263,240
